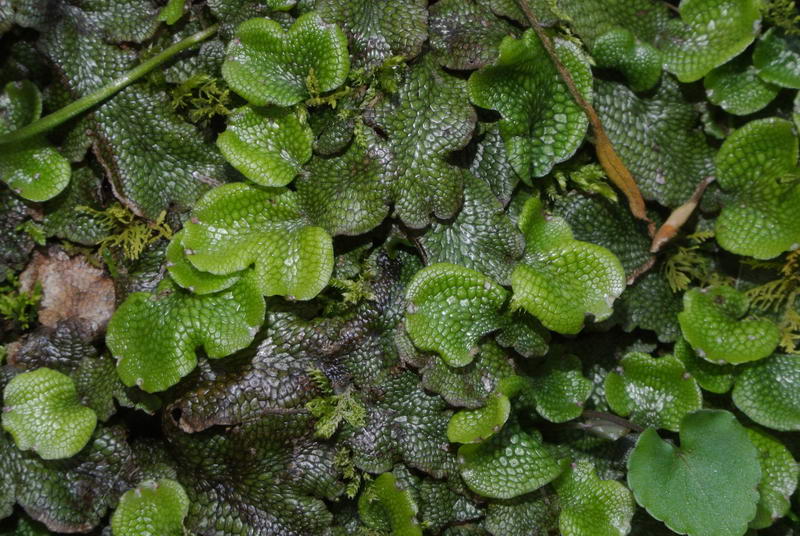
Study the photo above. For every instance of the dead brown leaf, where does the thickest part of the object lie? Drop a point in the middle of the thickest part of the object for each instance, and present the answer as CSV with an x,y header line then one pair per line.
x,y
72,289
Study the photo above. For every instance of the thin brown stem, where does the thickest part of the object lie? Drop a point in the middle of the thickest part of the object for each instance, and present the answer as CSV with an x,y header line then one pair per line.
x,y
608,157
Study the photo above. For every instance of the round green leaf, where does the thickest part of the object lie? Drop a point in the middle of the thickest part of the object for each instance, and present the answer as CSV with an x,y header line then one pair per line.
x,y
590,506
385,506
542,124
708,34
653,391
738,88
32,168
705,487
713,321
508,464
42,412
560,280
153,508
768,393
236,226
776,58
759,219
154,336
267,65
268,145
475,425
189,277
779,472
450,308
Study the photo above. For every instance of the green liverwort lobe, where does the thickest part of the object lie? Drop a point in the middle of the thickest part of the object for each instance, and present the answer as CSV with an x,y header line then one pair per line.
x,y
31,167
755,166
508,464
450,308
560,280
653,391
236,226
590,506
153,508
267,65
542,124
708,34
268,145
779,472
766,392
475,425
42,412
154,336
714,322
385,506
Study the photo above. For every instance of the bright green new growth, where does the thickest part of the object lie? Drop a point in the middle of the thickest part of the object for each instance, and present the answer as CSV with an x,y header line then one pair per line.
x,y
384,506
153,508
766,392
475,425
189,277
32,167
154,336
708,34
508,464
559,388
714,322
715,471
655,392
267,145
267,65
542,124
560,280
757,168
738,88
449,308
591,506
779,472
638,61
42,412
236,226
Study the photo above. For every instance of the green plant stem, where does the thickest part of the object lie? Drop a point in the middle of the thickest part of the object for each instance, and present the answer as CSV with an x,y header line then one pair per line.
x,y
84,103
